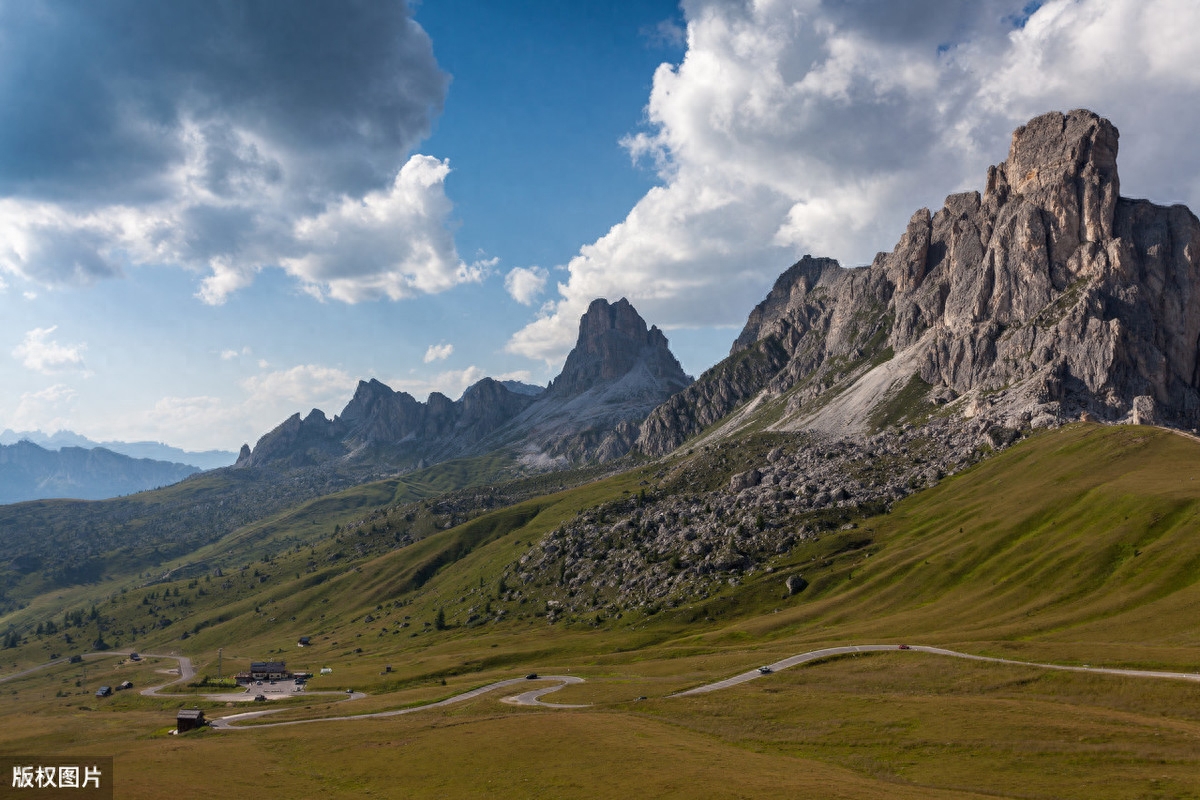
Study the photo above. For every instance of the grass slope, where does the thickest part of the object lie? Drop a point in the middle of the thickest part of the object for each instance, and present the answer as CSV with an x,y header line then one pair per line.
x,y
1077,546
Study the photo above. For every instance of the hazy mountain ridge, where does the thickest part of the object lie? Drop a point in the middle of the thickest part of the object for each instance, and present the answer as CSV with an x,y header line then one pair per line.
x,y
205,459
31,472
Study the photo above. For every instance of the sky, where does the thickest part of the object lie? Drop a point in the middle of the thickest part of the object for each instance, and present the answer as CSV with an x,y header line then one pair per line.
x,y
217,213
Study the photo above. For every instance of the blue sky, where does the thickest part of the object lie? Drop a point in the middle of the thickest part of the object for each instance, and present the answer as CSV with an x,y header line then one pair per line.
x,y
213,215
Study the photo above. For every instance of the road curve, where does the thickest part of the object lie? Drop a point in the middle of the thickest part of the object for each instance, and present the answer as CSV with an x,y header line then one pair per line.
x,y
186,671
828,652
527,698
532,698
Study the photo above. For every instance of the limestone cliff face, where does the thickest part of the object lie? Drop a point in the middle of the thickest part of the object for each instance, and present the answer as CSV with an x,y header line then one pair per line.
x,y
1045,295
618,371
613,341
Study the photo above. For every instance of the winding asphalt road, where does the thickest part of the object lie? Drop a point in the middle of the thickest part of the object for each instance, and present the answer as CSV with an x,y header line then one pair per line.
x,y
186,671
525,699
816,655
533,696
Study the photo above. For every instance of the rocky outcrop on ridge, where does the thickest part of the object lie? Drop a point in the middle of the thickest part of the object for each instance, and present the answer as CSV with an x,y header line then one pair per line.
x,y
618,371
379,420
1045,296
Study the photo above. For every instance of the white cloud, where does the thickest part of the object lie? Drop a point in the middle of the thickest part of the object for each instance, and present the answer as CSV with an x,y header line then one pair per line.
x,y
306,384
47,410
230,354
525,284
438,352
451,383
201,421
38,352
801,126
394,243
224,281
201,137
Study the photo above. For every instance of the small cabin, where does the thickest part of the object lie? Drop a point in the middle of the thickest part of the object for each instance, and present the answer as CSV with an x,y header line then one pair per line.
x,y
104,691
189,719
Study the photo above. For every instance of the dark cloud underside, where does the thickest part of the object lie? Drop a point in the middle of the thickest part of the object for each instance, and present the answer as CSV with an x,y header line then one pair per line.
x,y
93,95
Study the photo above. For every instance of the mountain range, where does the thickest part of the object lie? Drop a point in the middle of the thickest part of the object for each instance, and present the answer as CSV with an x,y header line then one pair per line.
x,y
901,452
29,471
201,460
1043,299
35,465
618,371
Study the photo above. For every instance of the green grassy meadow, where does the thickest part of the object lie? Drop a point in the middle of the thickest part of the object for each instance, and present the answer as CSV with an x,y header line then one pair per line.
x,y
1078,546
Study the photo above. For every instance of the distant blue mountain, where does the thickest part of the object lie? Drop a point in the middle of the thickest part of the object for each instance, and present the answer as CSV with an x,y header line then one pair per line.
x,y
208,459
31,472
517,387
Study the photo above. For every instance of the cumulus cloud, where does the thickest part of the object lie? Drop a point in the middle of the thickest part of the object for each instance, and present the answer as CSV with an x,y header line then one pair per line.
x,y
438,352
37,351
393,243
202,421
796,126
48,409
525,284
208,135
306,384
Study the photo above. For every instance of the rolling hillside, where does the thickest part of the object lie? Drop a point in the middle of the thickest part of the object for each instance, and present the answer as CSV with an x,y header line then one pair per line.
x,y
1016,556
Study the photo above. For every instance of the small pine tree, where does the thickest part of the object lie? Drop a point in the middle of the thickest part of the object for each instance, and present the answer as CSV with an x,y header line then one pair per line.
x,y
439,621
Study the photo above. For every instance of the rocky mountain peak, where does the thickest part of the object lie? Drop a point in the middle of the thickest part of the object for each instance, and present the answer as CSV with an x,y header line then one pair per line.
x,y
1059,149
1045,296
613,340
796,282
1066,164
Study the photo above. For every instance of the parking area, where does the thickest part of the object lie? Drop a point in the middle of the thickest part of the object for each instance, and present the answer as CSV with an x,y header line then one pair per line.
x,y
274,690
